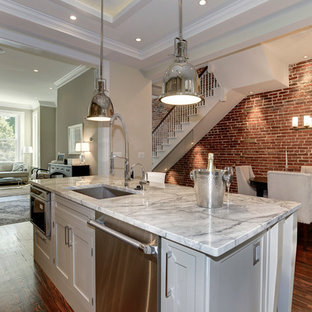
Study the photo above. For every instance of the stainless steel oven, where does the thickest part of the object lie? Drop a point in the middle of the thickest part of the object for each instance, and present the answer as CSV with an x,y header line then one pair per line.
x,y
40,209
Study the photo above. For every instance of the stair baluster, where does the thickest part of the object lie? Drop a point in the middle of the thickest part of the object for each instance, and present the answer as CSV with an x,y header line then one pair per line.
x,y
180,115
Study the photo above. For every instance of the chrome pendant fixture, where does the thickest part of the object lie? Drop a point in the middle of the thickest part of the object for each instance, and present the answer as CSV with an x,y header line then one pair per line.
x,y
180,82
101,107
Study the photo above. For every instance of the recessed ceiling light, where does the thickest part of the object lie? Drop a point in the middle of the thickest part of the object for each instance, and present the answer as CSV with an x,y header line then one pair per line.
x,y
305,57
73,17
50,88
202,2
36,70
138,39
251,92
2,51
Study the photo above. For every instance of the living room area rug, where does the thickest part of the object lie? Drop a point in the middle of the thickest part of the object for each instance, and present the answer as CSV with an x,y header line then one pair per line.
x,y
14,209
14,190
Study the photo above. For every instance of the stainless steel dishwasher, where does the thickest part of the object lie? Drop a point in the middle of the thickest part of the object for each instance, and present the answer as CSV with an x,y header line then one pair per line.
x,y
126,267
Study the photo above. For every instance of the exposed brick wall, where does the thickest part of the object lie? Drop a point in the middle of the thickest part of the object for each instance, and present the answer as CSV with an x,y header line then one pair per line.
x,y
257,132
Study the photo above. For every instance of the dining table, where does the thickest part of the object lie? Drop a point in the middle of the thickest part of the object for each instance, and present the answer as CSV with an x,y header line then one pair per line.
x,y
260,184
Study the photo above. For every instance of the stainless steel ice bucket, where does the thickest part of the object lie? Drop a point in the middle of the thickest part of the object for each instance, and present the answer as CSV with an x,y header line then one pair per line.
x,y
209,187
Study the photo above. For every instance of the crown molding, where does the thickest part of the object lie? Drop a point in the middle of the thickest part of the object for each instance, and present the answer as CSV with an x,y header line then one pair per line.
x,y
111,18
215,18
76,72
35,45
127,8
90,10
225,13
47,104
222,14
27,106
51,22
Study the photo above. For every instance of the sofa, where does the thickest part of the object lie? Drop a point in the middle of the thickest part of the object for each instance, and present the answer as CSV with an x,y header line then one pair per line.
x,y
14,170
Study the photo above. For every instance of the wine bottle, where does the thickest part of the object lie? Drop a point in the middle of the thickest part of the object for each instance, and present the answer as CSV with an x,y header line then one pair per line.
x,y
210,166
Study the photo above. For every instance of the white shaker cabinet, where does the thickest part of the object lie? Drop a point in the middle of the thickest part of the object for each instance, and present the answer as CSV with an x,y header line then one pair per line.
x,y
74,256
62,258
194,282
182,278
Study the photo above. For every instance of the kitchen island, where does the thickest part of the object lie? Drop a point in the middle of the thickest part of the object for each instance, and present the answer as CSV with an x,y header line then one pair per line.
x,y
233,258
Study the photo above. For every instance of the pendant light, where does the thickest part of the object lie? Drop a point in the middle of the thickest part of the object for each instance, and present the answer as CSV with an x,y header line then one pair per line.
x,y
180,82
101,107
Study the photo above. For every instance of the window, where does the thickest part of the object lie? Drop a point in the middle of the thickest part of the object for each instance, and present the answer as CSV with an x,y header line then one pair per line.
x,y
11,140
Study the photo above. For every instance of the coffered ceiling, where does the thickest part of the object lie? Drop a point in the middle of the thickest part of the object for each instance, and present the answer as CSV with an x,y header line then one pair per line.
x,y
27,78
213,30
219,28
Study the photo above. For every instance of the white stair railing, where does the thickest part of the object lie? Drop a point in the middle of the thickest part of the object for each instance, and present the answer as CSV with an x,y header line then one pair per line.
x,y
179,115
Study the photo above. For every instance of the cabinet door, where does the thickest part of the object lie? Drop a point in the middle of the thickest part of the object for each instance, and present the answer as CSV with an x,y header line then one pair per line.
x,y
83,263
236,279
62,252
182,279
79,267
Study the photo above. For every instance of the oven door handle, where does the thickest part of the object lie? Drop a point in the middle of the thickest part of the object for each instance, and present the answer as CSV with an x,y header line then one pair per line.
x,y
38,197
147,249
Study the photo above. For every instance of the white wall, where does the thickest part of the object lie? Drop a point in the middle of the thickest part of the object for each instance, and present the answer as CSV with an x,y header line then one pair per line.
x,y
131,95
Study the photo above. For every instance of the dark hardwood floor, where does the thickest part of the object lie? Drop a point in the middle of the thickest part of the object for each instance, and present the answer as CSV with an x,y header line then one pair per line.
x,y
24,287
302,297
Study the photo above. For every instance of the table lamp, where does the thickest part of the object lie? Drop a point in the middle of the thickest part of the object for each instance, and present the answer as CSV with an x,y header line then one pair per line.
x,y
82,148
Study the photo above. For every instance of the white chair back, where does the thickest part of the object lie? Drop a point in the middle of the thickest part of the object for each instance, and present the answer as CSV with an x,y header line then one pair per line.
x,y
243,174
156,178
306,169
293,186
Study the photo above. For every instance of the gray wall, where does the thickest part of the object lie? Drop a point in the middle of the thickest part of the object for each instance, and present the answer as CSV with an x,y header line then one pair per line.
x,y
72,107
47,135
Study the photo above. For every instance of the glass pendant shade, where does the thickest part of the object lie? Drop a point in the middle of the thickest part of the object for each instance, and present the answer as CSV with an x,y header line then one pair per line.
x,y
101,107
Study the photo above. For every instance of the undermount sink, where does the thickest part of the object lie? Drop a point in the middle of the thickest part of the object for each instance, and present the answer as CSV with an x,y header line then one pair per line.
x,y
101,192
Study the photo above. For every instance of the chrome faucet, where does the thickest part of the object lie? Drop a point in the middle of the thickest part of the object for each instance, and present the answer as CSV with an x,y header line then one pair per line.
x,y
112,156
142,182
132,170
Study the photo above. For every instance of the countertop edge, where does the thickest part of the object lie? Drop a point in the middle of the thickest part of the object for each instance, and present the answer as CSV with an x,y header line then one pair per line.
x,y
196,245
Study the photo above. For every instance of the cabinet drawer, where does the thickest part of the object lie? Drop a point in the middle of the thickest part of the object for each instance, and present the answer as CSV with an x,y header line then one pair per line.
x,y
42,243
42,250
83,212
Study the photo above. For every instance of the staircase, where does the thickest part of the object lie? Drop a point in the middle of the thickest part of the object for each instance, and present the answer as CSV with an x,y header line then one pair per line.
x,y
180,120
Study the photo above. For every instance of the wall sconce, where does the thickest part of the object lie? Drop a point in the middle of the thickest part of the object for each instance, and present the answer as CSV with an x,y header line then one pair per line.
x,y
294,122
82,148
307,121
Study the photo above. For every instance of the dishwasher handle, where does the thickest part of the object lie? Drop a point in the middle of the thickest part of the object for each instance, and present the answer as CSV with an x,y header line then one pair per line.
x,y
147,249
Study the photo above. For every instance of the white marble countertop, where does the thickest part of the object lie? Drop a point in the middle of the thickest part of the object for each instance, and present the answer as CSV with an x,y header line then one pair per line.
x,y
171,212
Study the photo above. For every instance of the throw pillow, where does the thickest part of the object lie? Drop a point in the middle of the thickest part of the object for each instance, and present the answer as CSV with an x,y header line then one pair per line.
x,y
18,166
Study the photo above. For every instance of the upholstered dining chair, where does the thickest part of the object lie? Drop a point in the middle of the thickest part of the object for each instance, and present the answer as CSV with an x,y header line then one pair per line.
x,y
243,174
294,186
306,169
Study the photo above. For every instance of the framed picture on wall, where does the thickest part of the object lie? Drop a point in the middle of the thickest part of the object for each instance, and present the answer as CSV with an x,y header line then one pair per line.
x,y
74,136
60,158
